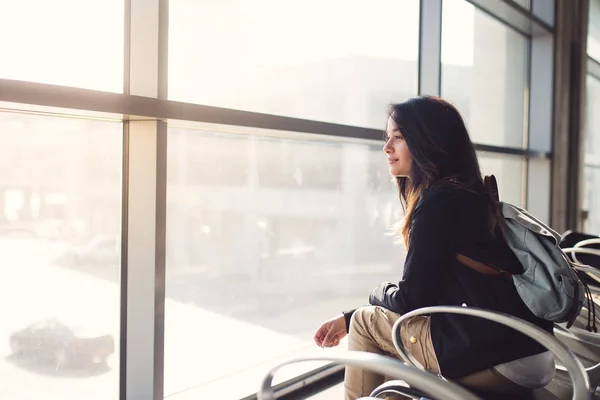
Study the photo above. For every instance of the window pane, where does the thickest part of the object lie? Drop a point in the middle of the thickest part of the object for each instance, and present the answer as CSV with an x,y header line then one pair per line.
x,y
63,42
336,61
593,39
484,73
591,182
539,187
591,198
267,238
592,121
59,248
508,171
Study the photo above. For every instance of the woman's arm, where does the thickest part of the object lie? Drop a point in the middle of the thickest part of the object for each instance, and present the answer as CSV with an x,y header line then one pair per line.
x,y
432,246
348,317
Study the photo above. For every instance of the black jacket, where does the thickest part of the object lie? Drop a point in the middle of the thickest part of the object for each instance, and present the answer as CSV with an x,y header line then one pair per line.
x,y
449,220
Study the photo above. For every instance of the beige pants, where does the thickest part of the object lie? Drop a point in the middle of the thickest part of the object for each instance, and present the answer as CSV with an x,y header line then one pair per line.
x,y
371,331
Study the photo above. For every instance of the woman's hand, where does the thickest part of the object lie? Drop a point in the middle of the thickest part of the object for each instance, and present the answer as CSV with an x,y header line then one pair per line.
x,y
331,332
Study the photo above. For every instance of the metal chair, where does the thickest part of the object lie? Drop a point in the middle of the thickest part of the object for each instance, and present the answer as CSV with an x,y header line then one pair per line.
x,y
579,249
578,240
578,337
584,344
428,383
580,387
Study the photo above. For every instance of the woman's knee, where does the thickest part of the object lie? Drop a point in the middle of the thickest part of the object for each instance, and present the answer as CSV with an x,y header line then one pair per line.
x,y
362,319
373,320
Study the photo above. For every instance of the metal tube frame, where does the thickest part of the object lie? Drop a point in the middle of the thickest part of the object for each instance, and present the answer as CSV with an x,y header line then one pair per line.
x,y
577,373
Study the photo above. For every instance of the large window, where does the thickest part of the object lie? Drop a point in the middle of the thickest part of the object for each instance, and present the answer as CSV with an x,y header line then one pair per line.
x,y
60,196
63,42
254,191
484,73
509,171
591,172
336,61
265,240
591,177
593,38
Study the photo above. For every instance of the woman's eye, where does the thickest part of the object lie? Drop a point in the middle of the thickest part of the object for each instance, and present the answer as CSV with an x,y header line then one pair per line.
x,y
399,137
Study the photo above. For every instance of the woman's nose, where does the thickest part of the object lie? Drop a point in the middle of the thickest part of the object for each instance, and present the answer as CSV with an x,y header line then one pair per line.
x,y
387,149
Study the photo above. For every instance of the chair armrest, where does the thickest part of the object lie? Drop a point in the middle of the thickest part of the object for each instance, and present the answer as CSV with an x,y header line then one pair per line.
x,y
592,272
384,365
577,373
588,242
581,250
576,333
397,388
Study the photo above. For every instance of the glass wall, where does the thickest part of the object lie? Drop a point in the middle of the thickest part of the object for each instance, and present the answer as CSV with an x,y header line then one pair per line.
x,y
591,170
484,73
593,38
268,234
337,61
262,167
591,176
60,197
63,42
510,174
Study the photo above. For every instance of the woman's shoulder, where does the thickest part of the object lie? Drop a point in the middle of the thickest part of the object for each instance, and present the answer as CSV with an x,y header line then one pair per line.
x,y
448,193
446,203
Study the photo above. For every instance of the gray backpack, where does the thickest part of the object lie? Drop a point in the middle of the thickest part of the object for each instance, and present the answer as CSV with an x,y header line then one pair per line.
x,y
550,286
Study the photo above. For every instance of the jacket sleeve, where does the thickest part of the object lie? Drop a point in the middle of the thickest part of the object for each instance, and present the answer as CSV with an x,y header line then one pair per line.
x,y
348,318
432,247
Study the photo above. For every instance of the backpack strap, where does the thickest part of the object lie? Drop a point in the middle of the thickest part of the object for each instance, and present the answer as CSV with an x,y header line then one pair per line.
x,y
481,267
491,186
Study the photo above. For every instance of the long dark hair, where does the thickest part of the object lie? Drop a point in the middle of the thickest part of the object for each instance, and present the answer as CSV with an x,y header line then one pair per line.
x,y
441,150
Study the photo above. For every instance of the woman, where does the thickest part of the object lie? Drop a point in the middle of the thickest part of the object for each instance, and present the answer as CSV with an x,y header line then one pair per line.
x,y
450,220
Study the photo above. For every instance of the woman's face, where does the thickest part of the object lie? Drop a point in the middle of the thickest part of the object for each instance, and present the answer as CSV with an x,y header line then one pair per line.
x,y
396,149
